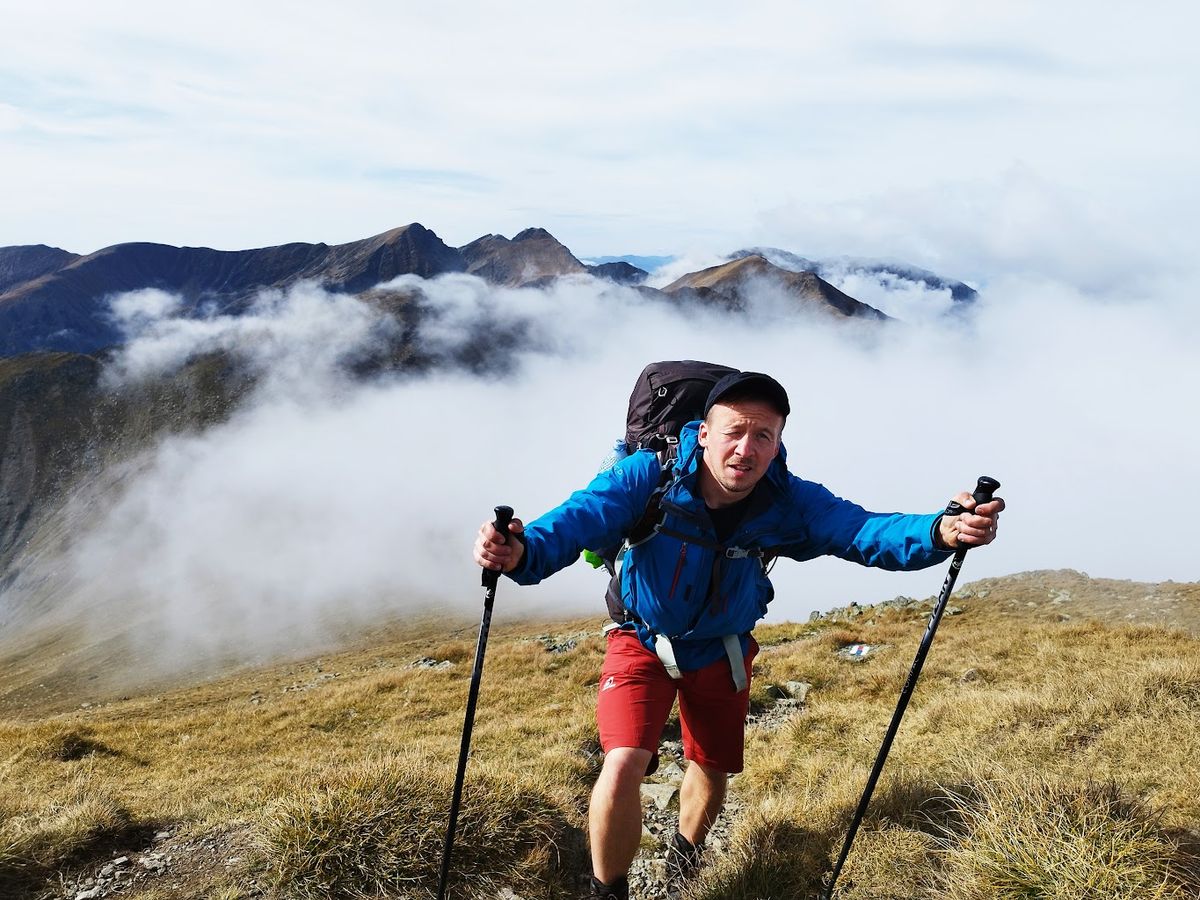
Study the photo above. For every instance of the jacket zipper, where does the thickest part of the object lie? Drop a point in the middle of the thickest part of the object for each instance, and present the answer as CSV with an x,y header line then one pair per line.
x,y
678,570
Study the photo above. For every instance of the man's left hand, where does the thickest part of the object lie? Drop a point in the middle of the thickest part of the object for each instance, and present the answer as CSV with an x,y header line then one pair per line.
x,y
972,528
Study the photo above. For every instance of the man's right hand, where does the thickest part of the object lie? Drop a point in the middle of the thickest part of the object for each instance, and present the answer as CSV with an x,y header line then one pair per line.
x,y
493,551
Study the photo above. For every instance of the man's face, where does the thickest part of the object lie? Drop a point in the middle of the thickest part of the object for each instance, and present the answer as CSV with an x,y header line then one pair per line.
x,y
739,442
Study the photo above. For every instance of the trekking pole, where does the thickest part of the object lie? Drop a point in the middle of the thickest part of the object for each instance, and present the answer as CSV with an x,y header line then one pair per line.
x,y
504,515
984,489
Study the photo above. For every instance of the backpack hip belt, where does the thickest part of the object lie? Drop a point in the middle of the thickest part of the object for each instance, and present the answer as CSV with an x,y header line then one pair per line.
x,y
733,651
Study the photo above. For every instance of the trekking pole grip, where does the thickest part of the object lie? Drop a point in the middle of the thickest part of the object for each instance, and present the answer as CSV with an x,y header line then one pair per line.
x,y
504,515
985,486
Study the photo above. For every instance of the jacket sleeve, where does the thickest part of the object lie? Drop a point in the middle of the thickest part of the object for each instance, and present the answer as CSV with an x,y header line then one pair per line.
x,y
598,516
837,527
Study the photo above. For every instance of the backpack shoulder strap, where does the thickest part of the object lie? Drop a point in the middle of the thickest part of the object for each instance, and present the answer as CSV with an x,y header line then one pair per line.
x,y
652,516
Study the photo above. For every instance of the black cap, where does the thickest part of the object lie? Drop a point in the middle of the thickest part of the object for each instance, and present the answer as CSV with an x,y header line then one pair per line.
x,y
750,385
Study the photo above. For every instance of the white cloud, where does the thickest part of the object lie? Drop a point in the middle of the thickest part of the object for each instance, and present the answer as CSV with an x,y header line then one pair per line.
x,y
292,337
136,311
985,228
324,503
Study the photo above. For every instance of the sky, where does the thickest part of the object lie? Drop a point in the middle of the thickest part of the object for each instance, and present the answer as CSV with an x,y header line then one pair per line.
x,y
861,128
1045,153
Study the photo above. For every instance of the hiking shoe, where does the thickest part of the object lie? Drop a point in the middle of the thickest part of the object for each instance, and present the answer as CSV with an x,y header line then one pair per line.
x,y
683,860
618,890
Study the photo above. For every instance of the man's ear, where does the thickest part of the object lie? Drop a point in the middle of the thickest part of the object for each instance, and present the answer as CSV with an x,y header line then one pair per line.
x,y
702,434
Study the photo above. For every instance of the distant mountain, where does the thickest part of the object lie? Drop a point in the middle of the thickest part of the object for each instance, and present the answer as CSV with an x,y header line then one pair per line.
x,y
729,283
20,264
887,273
67,309
620,272
53,300
533,257
647,264
58,425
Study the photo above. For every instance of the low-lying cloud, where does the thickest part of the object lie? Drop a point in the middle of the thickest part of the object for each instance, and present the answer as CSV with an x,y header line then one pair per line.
x,y
330,500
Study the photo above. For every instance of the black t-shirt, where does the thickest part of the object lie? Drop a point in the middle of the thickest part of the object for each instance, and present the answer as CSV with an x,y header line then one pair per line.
x,y
726,519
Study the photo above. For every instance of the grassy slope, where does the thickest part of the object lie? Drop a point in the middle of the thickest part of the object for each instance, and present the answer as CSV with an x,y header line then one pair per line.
x,y
1068,738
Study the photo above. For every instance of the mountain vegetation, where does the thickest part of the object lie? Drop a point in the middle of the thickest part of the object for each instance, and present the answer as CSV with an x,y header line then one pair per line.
x,y
1047,754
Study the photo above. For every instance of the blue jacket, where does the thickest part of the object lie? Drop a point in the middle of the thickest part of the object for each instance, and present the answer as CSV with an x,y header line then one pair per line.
x,y
687,590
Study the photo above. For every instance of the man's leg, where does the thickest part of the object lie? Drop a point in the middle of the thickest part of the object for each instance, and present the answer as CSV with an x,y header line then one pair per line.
x,y
633,701
701,797
615,814
712,713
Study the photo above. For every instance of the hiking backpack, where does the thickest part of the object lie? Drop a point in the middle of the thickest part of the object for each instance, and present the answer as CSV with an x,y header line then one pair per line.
x,y
666,396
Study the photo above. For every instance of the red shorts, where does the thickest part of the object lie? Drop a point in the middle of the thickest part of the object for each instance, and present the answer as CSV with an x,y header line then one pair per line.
x,y
636,695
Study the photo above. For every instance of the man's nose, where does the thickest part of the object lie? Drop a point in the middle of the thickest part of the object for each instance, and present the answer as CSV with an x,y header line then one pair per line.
x,y
743,445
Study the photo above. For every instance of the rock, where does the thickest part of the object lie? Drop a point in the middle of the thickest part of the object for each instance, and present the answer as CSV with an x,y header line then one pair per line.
x,y
89,894
857,652
121,861
969,676
954,610
660,794
672,773
798,690
775,692
428,662
816,616
107,870
154,862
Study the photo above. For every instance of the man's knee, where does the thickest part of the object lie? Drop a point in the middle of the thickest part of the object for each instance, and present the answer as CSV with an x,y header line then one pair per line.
x,y
710,774
625,767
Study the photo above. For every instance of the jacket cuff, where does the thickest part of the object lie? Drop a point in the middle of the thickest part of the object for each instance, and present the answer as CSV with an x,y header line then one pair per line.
x,y
520,572
935,539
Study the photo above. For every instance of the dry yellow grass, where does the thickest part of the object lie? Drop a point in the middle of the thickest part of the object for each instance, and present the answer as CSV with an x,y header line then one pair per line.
x,y
380,828
1063,739
1008,716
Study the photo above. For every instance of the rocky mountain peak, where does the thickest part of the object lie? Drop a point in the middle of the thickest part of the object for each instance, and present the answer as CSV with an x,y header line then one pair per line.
x,y
532,234
534,256
731,284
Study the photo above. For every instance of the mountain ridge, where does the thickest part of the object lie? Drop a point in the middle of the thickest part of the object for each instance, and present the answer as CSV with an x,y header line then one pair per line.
x,y
881,270
55,300
66,309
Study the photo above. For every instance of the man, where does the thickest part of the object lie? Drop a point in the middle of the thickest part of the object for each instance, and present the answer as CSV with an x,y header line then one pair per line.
x,y
693,592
